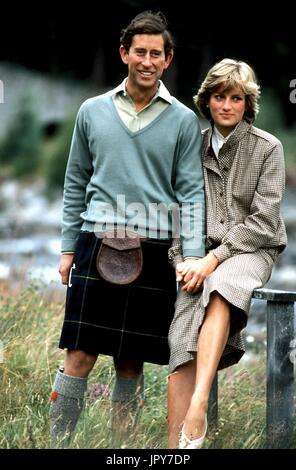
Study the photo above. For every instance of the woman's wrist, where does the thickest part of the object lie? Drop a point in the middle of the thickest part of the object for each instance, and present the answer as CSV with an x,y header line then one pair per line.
x,y
214,260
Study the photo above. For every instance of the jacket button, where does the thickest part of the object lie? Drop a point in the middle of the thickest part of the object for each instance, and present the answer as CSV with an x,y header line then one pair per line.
x,y
221,221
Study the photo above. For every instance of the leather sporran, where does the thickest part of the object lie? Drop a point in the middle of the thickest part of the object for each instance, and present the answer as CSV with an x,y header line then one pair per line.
x,y
119,259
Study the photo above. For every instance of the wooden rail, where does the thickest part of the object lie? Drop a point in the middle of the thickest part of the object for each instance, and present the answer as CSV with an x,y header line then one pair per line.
x,y
279,369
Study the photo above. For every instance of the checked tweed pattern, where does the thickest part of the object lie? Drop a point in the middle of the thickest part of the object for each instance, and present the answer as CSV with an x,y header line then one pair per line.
x,y
245,231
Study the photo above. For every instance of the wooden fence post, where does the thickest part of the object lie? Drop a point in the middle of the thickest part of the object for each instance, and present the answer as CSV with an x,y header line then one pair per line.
x,y
280,368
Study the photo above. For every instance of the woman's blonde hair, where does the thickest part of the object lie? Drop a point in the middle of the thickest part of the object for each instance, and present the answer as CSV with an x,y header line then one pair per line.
x,y
229,73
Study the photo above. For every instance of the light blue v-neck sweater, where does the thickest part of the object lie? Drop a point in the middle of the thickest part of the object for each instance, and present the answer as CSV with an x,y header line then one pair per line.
x,y
115,176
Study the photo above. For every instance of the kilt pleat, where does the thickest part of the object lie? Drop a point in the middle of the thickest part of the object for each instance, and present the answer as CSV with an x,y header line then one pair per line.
x,y
124,321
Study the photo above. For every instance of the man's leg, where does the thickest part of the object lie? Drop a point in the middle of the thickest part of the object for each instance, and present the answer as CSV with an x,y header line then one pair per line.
x,y
127,397
67,397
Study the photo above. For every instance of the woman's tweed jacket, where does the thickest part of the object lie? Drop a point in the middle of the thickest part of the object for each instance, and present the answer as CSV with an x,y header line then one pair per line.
x,y
245,231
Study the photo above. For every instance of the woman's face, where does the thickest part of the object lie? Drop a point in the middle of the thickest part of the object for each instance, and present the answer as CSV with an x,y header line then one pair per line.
x,y
227,108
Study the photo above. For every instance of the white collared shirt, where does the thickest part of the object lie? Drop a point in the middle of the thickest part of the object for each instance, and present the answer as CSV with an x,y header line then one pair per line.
x,y
218,140
136,120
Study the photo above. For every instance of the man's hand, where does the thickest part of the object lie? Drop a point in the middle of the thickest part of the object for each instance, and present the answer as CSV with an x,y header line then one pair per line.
x,y
192,273
66,262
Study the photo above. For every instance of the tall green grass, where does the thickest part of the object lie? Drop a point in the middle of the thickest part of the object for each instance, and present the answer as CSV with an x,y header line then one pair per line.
x,y
29,329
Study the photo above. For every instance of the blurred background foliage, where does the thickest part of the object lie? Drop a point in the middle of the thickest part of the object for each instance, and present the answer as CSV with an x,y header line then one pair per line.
x,y
56,150
29,151
51,60
21,148
81,46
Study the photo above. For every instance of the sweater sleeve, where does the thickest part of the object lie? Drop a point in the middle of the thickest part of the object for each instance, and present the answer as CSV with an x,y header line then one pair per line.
x,y
189,189
259,228
78,172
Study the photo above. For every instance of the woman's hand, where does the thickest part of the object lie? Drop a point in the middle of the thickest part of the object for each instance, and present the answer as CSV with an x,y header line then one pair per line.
x,y
192,272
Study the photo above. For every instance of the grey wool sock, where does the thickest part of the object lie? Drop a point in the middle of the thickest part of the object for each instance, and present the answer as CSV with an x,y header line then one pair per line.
x,y
127,403
67,399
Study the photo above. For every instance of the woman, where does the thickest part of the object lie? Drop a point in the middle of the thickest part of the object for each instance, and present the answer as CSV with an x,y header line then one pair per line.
x,y
244,180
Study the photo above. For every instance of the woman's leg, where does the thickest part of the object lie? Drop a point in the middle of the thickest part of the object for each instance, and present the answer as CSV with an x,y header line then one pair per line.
x,y
212,339
180,390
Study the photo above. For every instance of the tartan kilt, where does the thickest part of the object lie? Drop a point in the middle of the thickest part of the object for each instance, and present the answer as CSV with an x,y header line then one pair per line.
x,y
124,321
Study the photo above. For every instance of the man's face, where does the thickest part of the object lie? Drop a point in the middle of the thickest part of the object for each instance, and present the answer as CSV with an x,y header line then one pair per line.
x,y
146,60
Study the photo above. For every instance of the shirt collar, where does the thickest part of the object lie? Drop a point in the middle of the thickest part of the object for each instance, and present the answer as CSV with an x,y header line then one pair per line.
x,y
232,139
220,138
162,91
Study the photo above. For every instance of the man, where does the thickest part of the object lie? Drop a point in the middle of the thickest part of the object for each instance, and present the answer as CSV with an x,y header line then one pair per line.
x,y
135,155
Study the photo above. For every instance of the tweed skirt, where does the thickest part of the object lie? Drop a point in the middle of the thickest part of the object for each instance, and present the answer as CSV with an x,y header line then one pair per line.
x,y
235,279
126,322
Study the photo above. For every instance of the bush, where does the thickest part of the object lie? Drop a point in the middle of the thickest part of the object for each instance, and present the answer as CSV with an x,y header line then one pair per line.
x,y
271,119
271,116
20,150
57,156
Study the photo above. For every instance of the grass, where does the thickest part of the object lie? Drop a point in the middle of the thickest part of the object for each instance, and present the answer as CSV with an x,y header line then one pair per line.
x,y
29,330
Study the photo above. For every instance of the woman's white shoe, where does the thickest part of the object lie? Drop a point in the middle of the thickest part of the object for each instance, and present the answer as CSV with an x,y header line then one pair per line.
x,y
186,443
